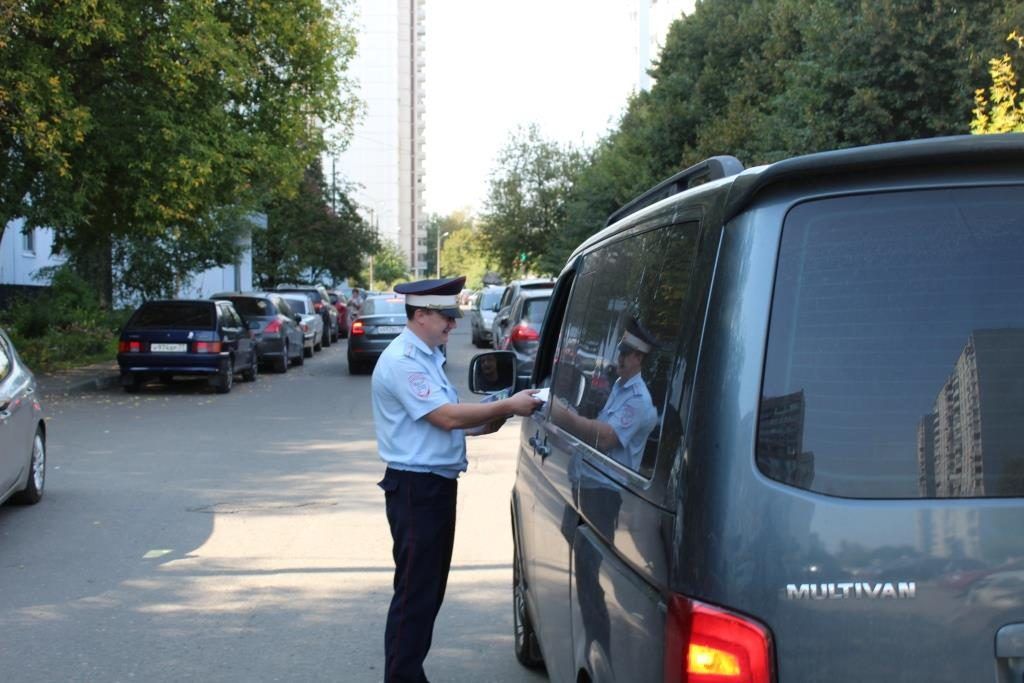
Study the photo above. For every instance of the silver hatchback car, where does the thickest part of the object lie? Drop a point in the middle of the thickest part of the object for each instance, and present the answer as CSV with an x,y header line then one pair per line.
x,y
22,430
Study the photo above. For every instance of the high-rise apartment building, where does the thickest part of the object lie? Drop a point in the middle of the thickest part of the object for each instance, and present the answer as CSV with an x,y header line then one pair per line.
x,y
651,19
384,159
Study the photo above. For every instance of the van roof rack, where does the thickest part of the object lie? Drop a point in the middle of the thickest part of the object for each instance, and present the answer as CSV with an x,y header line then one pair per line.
x,y
712,168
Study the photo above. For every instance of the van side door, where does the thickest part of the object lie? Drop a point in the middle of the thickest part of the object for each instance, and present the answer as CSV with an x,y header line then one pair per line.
x,y
544,508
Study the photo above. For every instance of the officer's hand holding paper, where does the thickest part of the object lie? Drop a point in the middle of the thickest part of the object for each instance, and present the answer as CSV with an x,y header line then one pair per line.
x,y
521,403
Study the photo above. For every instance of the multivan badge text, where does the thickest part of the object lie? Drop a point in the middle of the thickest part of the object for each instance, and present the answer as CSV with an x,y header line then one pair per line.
x,y
899,590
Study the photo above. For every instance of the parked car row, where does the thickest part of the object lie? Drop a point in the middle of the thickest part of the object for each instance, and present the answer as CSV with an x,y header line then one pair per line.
x,y
511,318
232,333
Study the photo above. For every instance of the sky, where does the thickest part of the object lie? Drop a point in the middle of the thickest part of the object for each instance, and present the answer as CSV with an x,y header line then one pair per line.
x,y
566,65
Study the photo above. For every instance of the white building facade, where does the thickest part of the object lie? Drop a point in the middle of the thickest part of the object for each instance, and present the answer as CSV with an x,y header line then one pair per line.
x,y
384,159
23,255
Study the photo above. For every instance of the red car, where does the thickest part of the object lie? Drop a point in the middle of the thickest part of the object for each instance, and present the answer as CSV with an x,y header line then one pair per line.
x,y
338,301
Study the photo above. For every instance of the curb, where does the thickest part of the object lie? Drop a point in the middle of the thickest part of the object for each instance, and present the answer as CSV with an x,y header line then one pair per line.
x,y
90,378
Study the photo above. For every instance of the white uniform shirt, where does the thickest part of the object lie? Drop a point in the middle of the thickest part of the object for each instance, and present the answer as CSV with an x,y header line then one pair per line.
x,y
409,382
631,413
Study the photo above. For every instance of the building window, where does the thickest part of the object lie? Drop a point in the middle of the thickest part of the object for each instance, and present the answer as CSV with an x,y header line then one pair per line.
x,y
28,242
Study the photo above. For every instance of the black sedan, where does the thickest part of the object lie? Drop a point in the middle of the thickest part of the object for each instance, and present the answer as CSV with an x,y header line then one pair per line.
x,y
381,319
279,338
186,337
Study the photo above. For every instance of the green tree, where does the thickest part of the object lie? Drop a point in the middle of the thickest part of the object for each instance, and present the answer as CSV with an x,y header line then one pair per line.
x,y
447,227
463,254
766,80
132,118
147,268
389,266
311,236
1002,111
525,206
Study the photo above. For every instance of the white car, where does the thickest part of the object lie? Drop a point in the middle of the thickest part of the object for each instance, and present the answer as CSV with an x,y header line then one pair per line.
x,y
311,323
22,430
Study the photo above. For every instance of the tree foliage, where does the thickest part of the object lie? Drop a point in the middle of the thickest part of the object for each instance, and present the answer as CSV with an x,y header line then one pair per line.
x,y
390,266
462,251
158,267
315,236
460,244
767,80
124,119
526,202
1002,110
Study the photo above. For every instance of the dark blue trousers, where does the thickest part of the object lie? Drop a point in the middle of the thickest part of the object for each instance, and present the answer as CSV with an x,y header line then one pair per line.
x,y
421,513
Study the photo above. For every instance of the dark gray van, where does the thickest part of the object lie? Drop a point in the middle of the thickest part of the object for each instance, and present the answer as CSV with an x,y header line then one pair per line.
x,y
784,440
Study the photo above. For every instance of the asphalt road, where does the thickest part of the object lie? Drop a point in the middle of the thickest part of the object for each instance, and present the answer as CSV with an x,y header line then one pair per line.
x,y
186,535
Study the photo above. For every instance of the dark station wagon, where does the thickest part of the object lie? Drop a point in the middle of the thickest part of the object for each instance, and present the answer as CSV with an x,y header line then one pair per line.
x,y
784,436
186,337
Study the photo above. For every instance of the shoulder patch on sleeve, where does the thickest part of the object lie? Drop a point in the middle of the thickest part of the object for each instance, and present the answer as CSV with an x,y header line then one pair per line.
x,y
627,416
419,384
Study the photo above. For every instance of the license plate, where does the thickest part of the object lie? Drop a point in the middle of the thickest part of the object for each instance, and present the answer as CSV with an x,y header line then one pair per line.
x,y
168,348
389,329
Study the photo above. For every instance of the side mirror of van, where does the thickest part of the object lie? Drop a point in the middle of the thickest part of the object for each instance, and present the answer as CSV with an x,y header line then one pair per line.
x,y
492,371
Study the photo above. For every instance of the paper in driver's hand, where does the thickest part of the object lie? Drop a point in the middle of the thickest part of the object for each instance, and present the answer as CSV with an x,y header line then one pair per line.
x,y
543,394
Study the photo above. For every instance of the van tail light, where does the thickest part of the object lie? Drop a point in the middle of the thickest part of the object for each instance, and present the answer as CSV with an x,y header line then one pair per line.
x,y
704,644
273,327
523,333
207,347
358,328
129,347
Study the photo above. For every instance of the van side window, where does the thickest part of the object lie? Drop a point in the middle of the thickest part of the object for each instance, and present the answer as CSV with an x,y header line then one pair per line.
x,y
620,338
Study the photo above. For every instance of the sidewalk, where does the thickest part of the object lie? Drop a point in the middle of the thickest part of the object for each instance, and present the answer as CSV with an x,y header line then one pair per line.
x,y
96,377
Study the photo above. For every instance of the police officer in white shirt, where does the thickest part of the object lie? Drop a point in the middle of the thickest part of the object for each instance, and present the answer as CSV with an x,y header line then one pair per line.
x,y
421,428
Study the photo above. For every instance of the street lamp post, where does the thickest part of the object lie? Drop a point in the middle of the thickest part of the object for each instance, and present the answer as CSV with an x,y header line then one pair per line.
x,y
440,235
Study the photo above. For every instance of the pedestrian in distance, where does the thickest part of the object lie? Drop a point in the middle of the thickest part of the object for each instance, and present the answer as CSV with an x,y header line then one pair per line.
x,y
421,429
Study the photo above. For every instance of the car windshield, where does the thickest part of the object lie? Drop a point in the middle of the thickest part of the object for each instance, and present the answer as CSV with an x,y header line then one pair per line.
x,y
384,306
165,314
248,306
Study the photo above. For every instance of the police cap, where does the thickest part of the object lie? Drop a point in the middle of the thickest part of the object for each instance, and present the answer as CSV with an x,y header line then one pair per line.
x,y
437,295
636,337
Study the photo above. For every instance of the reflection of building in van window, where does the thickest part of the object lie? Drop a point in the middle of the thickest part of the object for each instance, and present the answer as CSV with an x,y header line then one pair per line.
x,y
780,440
973,446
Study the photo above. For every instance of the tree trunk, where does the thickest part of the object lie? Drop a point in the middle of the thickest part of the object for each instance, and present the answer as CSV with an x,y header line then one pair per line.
x,y
94,263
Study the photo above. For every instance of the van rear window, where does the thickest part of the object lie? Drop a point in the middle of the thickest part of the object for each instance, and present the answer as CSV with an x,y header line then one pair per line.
x,y
895,363
174,314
